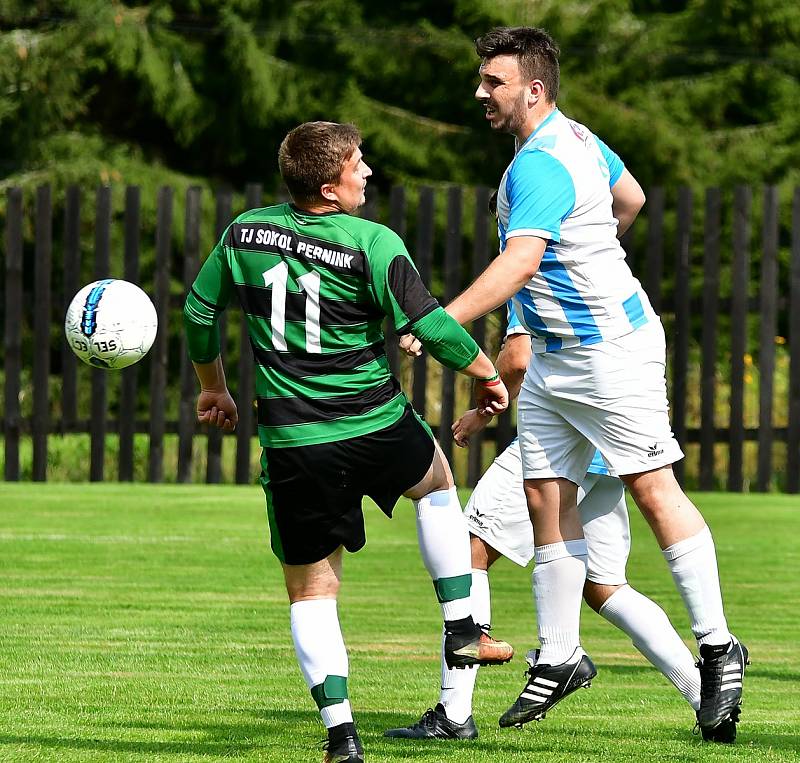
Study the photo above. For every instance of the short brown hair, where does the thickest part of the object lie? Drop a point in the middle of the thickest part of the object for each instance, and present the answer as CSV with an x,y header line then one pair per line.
x,y
535,50
313,154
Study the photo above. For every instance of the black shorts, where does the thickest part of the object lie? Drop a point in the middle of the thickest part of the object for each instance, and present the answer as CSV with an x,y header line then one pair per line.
x,y
314,492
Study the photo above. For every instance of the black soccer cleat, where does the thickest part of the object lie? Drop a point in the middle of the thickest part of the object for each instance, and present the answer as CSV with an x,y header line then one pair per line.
x,y
721,675
546,686
462,651
725,733
434,724
343,745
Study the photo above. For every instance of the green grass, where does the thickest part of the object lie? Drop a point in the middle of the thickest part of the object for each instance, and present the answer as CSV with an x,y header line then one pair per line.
x,y
146,623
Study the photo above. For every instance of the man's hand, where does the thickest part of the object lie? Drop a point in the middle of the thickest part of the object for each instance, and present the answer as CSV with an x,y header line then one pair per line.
x,y
218,409
491,398
469,424
410,345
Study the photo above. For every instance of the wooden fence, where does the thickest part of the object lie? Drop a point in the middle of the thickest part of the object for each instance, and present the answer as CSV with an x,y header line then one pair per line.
x,y
726,317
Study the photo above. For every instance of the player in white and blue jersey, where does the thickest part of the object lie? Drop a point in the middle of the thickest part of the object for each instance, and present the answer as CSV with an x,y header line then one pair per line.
x,y
596,379
499,525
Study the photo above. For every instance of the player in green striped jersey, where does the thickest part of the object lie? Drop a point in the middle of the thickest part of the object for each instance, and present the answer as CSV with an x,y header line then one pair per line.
x,y
316,284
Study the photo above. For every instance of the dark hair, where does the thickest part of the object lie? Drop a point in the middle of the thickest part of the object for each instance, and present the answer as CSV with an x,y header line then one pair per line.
x,y
536,52
313,154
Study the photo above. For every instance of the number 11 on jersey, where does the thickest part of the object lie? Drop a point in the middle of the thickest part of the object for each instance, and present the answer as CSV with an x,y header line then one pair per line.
x,y
276,277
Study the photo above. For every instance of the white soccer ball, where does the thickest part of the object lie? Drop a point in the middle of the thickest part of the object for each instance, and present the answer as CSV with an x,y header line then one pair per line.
x,y
111,324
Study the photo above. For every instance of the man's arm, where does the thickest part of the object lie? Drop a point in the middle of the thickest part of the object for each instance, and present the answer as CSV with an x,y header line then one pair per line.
x,y
628,199
215,405
504,277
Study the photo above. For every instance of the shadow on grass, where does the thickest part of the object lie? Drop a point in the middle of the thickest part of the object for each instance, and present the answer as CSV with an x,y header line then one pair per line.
x,y
296,735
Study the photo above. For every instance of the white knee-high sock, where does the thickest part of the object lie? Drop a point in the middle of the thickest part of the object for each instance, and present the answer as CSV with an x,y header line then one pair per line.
x,y
652,634
458,685
444,545
321,653
558,580
693,563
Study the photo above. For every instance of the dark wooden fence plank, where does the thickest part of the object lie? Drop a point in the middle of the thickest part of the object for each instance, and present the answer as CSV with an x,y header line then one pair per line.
x,y
708,383
12,339
480,259
766,350
42,320
681,334
99,383
397,222
188,384
72,283
452,283
740,279
130,375
159,351
246,394
222,216
423,257
628,241
654,265
793,433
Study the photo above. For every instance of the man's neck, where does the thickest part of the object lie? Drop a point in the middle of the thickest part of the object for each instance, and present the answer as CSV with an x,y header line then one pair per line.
x,y
317,207
535,120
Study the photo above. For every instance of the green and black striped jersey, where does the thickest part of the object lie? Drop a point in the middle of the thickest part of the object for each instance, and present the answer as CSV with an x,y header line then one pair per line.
x,y
315,289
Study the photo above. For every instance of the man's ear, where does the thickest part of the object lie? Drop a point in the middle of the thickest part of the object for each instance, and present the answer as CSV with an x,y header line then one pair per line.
x,y
328,191
536,92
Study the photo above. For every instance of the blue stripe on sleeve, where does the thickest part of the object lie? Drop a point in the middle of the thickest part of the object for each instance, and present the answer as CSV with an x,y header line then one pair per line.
x,y
513,320
615,165
540,193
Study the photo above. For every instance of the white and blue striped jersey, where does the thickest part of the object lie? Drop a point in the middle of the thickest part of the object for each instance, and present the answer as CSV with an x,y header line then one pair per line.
x,y
558,187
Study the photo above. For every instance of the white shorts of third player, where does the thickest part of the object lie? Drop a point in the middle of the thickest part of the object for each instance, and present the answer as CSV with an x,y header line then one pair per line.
x,y
497,513
611,396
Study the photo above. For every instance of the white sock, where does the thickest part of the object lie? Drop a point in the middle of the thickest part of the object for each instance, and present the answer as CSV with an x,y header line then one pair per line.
x,y
558,580
458,685
653,635
693,563
444,545
321,653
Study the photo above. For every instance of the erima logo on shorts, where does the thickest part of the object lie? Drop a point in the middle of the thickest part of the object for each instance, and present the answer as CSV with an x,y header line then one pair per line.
x,y
653,450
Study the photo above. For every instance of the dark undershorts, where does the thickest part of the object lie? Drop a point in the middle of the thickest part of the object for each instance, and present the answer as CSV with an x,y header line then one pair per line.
x,y
314,492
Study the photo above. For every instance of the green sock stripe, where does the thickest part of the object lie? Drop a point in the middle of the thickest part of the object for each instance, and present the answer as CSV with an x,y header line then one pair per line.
x,y
450,589
332,691
274,533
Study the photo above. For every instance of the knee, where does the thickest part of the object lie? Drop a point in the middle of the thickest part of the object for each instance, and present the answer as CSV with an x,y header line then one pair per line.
x,y
597,594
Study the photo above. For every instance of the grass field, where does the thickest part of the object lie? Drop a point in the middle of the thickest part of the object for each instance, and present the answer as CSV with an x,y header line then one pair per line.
x,y
145,623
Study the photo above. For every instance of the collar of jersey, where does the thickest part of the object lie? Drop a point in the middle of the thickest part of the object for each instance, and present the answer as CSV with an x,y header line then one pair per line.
x,y
299,211
550,118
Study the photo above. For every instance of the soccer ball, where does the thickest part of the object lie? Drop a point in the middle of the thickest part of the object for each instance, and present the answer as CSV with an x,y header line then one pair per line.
x,y
111,324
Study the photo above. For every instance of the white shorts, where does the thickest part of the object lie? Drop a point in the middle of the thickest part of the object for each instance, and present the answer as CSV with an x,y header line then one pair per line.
x,y
497,513
610,396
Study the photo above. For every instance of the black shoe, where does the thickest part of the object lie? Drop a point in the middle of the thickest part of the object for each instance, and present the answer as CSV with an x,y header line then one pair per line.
x,y
343,745
547,685
461,651
725,733
435,724
721,676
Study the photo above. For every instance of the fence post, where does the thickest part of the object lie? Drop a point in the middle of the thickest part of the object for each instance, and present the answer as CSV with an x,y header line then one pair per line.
x,y
682,332
130,375
654,265
480,258
740,279
99,405
72,282
158,354
245,429
709,341
12,340
766,351
222,216
452,281
423,257
188,385
42,320
793,433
